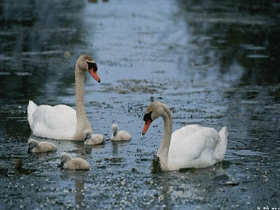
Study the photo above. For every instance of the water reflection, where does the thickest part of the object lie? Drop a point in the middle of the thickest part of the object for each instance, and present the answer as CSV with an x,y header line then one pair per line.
x,y
96,1
230,32
190,186
40,44
79,192
118,145
32,53
218,45
89,149
75,188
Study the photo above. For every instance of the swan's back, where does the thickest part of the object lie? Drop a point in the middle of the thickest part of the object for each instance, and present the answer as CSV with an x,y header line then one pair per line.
x,y
222,145
121,136
194,146
57,122
124,135
185,131
95,139
77,164
45,147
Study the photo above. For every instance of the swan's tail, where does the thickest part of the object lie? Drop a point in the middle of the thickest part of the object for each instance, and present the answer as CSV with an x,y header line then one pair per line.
x,y
30,110
222,145
224,134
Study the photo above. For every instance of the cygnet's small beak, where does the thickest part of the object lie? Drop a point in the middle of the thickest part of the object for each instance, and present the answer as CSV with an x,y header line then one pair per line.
x,y
61,165
115,132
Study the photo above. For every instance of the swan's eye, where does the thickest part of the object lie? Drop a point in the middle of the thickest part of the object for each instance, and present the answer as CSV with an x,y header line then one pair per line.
x,y
147,116
92,65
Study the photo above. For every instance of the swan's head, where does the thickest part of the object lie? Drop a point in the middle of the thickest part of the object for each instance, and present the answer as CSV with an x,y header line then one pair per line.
x,y
88,134
155,110
64,157
86,63
115,129
32,143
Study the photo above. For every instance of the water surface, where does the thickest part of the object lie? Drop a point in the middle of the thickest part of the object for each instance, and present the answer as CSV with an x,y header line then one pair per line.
x,y
213,63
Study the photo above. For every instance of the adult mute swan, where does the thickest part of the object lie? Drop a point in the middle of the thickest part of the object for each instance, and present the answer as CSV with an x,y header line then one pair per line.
x,y
61,121
191,146
119,135
73,163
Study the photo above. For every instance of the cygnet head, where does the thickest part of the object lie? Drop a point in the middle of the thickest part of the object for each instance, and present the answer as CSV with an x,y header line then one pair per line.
x,y
32,144
115,129
64,158
88,134
86,63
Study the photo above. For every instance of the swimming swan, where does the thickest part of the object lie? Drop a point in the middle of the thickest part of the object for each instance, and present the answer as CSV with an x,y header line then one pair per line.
x,y
61,121
73,163
44,146
191,146
93,139
119,135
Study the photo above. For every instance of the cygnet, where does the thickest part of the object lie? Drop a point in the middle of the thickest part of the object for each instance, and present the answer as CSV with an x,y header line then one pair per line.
x,y
119,135
93,139
73,163
44,146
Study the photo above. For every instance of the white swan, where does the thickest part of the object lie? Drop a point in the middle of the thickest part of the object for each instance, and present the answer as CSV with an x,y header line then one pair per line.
x,y
44,146
73,163
119,135
61,121
93,139
192,146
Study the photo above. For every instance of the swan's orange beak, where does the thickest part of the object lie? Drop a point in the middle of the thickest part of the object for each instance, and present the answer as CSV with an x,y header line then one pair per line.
x,y
146,126
94,74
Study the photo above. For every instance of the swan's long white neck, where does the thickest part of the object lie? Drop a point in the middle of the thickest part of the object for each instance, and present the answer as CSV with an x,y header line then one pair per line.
x,y
82,120
165,143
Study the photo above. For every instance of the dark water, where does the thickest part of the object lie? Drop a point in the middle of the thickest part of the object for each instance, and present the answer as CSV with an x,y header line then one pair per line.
x,y
214,63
